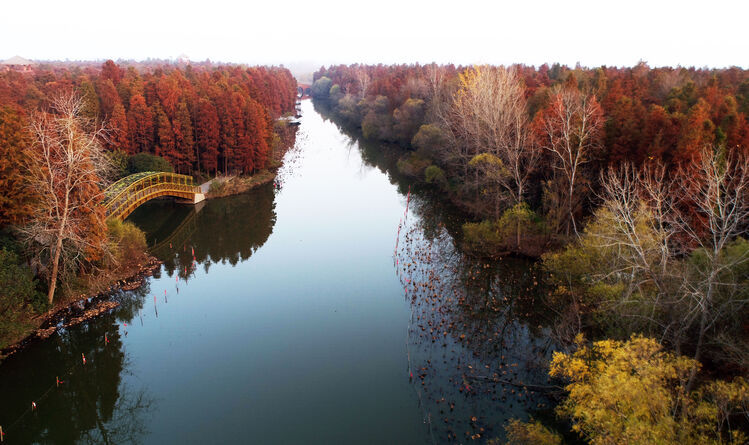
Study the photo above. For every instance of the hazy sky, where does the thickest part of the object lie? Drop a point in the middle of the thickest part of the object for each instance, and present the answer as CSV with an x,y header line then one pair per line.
x,y
689,33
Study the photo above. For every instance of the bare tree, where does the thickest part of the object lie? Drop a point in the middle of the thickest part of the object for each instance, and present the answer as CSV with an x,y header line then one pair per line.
x,y
671,242
438,96
66,167
716,184
363,79
489,123
571,125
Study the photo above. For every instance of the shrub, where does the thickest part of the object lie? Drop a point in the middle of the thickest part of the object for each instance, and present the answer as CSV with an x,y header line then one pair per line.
x,y
348,110
530,433
127,240
519,230
430,140
434,175
335,94
146,162
412,165
377,126
217,187
18,296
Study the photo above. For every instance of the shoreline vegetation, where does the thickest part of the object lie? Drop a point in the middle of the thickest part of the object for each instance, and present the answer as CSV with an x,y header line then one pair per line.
x,y
97,300
630,188
93,125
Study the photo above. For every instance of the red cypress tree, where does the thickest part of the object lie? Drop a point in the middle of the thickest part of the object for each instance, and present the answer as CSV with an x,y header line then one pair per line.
x,y
207,135
697,133
183,138
165,146
14,139
119,138
140,125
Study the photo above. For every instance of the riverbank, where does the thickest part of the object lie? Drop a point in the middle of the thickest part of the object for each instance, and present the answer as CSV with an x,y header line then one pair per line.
x,y
234,185
479,235
84,306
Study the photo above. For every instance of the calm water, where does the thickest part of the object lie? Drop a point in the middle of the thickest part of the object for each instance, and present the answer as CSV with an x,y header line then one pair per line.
x,y
301,314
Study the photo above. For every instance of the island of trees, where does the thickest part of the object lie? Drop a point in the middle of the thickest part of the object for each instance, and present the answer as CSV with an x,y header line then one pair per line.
x,y
631,186
67,131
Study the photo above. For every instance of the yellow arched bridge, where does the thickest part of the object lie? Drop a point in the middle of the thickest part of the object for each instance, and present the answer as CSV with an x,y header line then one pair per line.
x,y
130,192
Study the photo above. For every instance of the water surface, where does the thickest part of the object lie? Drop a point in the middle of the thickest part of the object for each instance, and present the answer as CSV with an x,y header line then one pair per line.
x,y
297,313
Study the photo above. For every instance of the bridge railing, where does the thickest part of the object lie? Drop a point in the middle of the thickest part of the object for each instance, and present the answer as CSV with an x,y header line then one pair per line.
x,y
124,196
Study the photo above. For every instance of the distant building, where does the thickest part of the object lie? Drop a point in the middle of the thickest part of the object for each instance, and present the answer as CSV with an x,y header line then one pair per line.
x,y
183,59
17,63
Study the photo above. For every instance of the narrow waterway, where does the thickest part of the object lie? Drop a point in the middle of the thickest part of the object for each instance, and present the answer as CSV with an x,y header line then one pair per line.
x,y
332,308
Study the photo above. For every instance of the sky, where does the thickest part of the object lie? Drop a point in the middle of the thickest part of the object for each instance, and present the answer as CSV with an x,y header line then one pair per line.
x,y
312,33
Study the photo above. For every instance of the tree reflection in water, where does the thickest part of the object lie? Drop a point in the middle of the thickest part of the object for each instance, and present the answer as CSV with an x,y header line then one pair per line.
x,y
478,341
92,404
219,232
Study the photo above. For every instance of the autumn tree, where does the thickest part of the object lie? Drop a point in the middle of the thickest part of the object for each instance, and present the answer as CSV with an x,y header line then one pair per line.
x,y
66,166
489,124
207,135
165,137
184,142
140,125
117,124
665,255
569,128
109,97
635,392
14,140
91,107
110,71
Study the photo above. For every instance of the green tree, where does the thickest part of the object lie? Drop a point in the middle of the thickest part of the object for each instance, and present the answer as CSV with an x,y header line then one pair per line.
x,y
348,110
431,141
434,175
18,296
321,88
91,108
407,118
146,162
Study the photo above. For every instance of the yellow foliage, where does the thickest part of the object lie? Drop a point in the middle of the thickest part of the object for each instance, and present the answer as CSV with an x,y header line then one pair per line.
x,y
530,433
633,392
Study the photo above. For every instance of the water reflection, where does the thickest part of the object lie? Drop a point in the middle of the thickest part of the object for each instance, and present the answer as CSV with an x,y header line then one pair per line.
x,y
225,230
315,338
91,403
477,341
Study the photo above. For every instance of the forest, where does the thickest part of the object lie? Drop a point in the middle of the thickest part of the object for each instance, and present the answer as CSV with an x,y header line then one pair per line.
x,y
494,138
68,130
630,186
200,119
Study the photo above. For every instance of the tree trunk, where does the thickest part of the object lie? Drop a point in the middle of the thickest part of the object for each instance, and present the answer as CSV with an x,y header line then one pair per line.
x,y
55,267
701,338
58,249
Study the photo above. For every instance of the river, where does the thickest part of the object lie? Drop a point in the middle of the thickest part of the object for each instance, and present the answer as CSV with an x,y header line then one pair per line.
x,y
297,314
